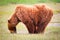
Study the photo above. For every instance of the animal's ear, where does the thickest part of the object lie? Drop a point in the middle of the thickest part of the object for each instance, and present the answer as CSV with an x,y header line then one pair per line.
x,y
9,21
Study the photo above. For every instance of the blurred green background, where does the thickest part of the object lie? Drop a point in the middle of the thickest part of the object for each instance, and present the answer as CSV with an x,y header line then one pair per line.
x,y
7,8
4,2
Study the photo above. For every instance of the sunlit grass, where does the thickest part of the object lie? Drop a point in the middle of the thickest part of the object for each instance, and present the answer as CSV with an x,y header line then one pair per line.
x,y
57,11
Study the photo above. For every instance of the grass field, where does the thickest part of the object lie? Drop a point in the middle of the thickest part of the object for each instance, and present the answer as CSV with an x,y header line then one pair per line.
x,y
51,33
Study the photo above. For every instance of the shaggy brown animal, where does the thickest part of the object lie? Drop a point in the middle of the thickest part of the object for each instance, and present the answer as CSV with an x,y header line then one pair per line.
x,y
34,17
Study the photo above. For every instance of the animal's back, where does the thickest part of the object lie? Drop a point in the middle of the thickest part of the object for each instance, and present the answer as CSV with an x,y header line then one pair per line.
x,y
36,13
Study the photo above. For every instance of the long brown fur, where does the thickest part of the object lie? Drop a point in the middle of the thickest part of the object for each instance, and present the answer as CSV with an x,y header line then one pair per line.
x,y
34,17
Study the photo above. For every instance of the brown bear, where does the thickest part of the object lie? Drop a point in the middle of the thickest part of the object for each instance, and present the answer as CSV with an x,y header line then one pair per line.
x,y
35,17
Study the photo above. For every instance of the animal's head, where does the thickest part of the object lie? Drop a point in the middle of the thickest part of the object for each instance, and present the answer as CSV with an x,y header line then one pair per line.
x,y
11,27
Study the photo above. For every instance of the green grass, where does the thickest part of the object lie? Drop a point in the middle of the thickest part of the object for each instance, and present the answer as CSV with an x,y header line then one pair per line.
x,y
57,11
4,2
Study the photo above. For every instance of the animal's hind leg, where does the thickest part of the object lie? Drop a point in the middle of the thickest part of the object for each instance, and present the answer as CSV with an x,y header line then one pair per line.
x,y
41,27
